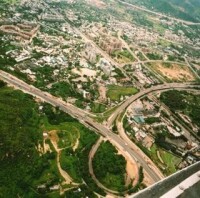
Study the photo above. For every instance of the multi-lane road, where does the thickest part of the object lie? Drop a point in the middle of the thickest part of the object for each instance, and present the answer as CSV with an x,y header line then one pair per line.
x,y
83,117
167,86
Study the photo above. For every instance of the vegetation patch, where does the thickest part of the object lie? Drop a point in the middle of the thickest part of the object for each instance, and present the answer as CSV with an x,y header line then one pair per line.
x,y
170,161
70,163
98,107
22,168
109,167
185,102
151,120
115,92
123,56
154,56
64,90
68,137
82,191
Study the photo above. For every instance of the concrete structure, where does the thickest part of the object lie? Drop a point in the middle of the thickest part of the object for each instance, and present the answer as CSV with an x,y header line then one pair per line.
x,y
108,42
110,45
90,53
105,66
53,18
182,184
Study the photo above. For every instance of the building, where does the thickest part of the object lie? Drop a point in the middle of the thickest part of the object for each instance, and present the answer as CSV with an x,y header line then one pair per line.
x,y
105,66
21,32
89,53
52,18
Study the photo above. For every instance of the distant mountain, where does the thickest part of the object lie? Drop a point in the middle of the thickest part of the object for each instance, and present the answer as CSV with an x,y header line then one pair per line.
x,y
184,9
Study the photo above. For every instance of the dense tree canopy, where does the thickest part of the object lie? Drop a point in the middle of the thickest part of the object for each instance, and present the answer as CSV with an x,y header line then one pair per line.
x,y
183,101
109,167
19,136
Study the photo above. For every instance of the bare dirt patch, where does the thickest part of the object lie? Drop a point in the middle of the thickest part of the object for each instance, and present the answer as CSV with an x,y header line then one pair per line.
x,y
174,72
46,147
54,139
76,144
131,170
97,3
102,93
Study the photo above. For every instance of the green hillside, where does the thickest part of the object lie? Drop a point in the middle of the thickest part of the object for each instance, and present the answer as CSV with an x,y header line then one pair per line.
x,y
183,9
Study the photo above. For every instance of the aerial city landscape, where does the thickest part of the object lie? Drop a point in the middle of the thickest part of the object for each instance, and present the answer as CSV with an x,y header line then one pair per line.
x,y
99,98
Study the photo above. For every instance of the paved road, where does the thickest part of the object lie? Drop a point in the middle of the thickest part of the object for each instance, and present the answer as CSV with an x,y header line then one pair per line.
x,y
159,14
131,99
83,116
91,156
190,66
135,148
119,34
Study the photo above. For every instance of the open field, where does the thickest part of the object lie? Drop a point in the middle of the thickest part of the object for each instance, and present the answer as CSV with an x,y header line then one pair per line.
x,y
173,72
165,160
68,137
115,92
123,56
98,107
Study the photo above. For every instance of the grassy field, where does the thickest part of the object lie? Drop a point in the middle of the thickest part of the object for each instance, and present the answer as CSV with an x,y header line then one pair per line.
x,y
68,137
105,115
115,92
98,108
170,160
123,56
70,163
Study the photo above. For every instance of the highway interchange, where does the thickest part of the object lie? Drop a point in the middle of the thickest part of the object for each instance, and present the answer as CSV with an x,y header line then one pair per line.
x,y
121,141
83,117
124,145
